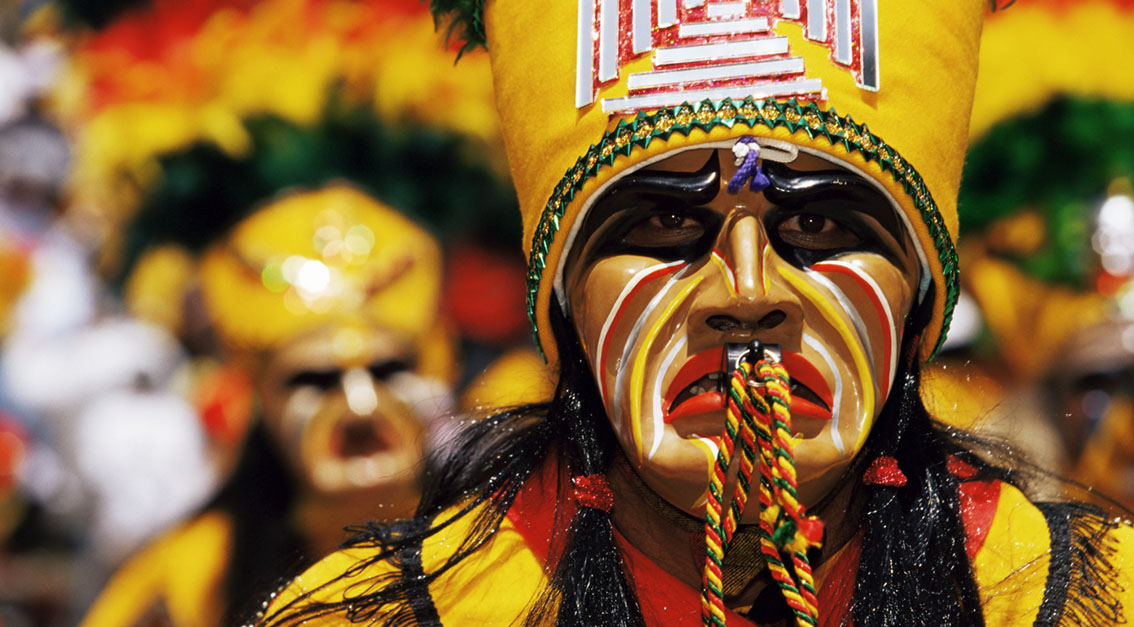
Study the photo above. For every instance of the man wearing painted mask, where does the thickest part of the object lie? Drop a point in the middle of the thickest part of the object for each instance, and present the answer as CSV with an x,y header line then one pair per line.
x,y
739,285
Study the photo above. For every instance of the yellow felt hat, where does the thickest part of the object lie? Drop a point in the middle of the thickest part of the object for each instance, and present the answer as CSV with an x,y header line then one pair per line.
x,y
333,256
589,89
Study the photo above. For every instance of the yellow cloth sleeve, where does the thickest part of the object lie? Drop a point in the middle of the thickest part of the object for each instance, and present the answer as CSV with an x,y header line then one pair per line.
x,y
493,586
1011,567
183,570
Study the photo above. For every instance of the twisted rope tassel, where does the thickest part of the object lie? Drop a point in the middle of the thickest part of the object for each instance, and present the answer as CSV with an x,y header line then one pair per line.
x,y
764,427
793,531
747,153
717,533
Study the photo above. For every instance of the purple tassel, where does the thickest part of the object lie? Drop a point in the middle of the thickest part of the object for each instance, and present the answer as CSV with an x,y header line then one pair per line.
x,y
747,153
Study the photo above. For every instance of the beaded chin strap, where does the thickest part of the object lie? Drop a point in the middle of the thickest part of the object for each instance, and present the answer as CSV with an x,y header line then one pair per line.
x,y
758,400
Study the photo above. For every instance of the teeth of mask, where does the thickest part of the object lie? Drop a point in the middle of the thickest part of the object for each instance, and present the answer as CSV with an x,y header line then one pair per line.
x,y
697,390
713,376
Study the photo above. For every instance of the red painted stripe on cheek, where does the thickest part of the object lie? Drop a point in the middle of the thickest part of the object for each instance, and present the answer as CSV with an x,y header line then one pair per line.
x,y
879,310
605,348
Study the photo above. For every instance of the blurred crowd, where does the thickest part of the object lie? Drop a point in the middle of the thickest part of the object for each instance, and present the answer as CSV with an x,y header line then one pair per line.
x,y
259,261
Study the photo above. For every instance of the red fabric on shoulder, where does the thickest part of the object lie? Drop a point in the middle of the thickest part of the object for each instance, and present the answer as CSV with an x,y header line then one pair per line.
x,y
979,500
539,515
665,599
978,507
542,513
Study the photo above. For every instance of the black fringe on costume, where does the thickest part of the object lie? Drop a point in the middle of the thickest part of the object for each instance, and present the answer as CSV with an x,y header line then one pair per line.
x,y
1082,584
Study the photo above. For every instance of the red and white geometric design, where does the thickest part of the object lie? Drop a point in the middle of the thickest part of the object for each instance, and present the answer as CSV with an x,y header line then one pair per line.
x,y
717,49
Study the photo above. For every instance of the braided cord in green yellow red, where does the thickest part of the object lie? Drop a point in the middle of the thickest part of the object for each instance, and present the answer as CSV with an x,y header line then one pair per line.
x,y
759,401
718,532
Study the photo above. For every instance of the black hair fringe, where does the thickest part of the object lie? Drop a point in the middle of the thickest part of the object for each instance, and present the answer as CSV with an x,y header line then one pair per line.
x,y
913,568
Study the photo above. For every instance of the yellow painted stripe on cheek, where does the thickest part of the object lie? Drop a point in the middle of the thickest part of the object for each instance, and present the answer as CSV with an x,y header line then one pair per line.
x,y
638,375
831,315
710,462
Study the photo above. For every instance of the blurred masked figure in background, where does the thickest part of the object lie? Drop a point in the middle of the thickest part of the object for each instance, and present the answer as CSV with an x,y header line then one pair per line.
x,y
271,200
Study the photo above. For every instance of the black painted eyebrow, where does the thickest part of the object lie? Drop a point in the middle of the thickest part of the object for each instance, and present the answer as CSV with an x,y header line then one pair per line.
x,y
792,188
688,188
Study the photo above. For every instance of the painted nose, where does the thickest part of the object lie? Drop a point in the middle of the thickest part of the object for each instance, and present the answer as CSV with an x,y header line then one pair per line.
x,y
754,304
358,387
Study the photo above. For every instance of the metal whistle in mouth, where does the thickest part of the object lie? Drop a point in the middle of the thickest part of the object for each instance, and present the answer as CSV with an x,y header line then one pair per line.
x,y
751,352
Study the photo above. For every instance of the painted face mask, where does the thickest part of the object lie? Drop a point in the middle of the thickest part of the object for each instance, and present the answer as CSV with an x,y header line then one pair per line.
x,y
332,298
352,418
668,267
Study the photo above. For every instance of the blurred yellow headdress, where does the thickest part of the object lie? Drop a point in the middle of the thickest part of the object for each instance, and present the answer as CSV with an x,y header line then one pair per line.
x,y
331,255
589,89
278,142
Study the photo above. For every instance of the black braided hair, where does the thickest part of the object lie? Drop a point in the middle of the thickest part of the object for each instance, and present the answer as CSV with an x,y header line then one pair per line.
x,y
589,553
913,568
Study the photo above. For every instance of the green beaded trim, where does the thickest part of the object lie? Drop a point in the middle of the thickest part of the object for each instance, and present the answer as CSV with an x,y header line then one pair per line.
x,y
792,115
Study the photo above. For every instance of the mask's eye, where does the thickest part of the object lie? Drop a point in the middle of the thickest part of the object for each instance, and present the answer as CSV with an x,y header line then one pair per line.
x,y
321,379
812,231
668,228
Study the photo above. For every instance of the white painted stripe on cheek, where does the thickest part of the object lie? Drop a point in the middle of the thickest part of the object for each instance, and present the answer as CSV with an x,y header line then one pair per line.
x,y
764,266
632,340
836,402
600,368
855,318
890,326
659,423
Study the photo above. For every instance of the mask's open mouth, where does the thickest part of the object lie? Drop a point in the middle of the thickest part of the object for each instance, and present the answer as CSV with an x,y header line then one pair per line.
x,y
359,438
363,452
696,389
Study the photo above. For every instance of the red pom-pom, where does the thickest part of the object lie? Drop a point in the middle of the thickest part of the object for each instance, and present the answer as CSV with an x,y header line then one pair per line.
x,y
959,468
812,529
593,491
884,471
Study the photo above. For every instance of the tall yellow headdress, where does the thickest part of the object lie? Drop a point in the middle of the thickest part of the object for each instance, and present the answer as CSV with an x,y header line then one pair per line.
x,y
589,89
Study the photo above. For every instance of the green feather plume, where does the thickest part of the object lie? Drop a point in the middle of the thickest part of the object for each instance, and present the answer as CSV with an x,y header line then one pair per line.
x,y
436,178
465,20
1059,160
